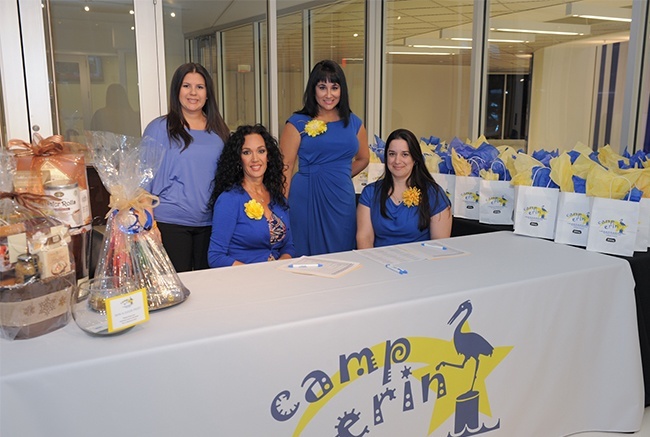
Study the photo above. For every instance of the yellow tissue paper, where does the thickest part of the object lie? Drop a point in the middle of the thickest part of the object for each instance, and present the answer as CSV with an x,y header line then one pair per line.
x,y
489,175
610,159
604,183
582,149
582,165
562,172
480,140
374,159
523,174
460,164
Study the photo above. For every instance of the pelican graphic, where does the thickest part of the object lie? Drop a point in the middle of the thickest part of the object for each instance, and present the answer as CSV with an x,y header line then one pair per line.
x,y
468,344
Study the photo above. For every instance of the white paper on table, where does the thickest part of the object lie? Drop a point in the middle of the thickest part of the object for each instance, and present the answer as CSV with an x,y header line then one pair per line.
x,y
434,250
328,268
390,255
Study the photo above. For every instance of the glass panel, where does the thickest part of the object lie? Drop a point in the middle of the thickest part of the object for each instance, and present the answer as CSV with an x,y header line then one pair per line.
x,y
239,90
338,33
291,74
95,67
426,77
572,55
3,124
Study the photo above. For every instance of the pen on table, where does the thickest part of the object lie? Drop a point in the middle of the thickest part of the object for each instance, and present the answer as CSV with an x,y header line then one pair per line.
x,y
304,266
396,269
437,246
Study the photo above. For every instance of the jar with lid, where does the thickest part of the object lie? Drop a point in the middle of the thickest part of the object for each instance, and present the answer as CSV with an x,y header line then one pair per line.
x,y
26,268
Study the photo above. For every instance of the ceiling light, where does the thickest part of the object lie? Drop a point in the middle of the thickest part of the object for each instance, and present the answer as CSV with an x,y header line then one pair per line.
x,y
503,37
420,53
86,8
131,12
539,27
596,12
173,14
401,50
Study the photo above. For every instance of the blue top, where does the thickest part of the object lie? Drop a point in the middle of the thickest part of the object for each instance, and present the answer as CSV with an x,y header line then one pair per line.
x,y
236,237
183,181
402,224
322,198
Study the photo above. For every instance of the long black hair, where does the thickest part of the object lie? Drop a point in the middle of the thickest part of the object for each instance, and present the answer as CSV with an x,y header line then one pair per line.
x,y
419,178
176,124
326,71
230,173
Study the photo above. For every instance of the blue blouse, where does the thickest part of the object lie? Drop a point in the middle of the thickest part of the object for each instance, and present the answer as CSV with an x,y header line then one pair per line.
x,y
401,226
236,237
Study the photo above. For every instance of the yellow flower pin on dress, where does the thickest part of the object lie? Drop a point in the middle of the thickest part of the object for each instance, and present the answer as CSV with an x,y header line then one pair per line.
x,y
254,209
315,127
411,197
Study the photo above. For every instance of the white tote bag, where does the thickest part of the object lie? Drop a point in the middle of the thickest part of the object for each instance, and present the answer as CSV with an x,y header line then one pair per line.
x,y
573,213
448,183
613,226
466,197
643,232
536,211
496,202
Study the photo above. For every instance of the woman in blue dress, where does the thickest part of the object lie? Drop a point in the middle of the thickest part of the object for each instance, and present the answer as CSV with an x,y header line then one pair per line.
x,y
250,222
331,146
406,204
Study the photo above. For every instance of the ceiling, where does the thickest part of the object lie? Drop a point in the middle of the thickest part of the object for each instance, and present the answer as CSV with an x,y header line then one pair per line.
x,y
336,22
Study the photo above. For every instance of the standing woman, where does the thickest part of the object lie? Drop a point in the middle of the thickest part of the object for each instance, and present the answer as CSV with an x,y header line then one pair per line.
x,y
331,145
193,133
405,205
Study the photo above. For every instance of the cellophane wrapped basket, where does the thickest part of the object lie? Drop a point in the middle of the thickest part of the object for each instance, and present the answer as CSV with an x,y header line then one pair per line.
x,y
37,270
132,249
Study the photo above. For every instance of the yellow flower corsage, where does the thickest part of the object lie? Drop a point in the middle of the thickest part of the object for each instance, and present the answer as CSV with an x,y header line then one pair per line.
x,y
315,127
411,197
254,209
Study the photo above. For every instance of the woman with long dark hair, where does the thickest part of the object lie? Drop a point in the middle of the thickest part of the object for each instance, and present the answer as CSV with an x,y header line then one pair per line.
x,y
331,146
406,204
193,134
251,217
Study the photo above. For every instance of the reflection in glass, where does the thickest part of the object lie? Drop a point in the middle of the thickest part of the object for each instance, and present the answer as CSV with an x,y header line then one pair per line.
x,y
338,33
239,89
427,78
94,61
3,124
577,68
291,82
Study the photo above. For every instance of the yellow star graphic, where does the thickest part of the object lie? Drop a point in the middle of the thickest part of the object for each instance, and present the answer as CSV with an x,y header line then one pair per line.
x,y
430,351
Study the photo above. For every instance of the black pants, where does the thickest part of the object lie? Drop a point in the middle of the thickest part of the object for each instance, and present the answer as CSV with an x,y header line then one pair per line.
x,y
187,246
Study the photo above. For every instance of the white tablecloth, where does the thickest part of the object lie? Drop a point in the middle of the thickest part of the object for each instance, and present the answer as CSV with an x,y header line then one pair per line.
x,y
257,351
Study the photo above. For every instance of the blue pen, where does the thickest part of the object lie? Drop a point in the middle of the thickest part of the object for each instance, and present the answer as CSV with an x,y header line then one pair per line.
x,y
396,269
434,245
304,266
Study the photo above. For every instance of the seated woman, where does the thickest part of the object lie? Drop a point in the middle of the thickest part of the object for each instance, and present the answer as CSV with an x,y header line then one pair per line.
x,y
250,222
406,204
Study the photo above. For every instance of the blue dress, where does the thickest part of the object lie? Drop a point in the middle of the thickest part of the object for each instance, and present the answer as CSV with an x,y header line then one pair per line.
x,y
401,226
237,237
322,198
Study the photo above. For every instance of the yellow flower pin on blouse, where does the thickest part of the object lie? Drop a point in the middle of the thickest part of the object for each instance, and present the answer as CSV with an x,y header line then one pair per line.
x,y
411,197
315,127
254,209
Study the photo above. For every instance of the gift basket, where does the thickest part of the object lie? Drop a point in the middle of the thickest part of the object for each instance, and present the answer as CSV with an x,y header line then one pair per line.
x,y
37,269
57,168
132,250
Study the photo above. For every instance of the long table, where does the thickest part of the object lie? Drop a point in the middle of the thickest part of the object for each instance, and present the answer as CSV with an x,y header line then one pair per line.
x,y
640,265
548,346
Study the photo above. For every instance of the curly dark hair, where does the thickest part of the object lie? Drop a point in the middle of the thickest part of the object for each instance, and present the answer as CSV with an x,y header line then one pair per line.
x,y
230,173
419,178
326,71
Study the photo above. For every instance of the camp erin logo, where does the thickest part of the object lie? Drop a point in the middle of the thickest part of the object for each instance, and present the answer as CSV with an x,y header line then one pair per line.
x,y
578,218
535,212
498,201
445,376
612,227
470,196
